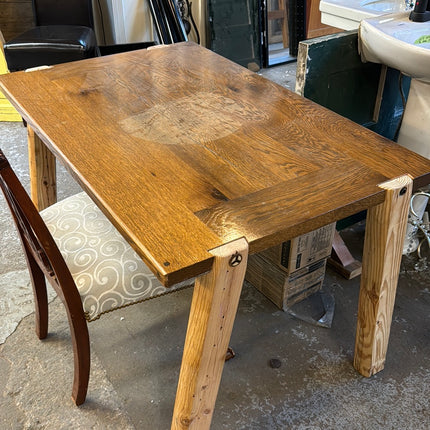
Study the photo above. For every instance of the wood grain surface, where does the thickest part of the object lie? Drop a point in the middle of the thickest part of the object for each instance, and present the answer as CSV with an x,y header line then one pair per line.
x,y
213,310
382,254
43,171
185,151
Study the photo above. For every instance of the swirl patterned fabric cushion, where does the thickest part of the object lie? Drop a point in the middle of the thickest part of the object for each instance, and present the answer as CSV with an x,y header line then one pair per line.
x,y
107,271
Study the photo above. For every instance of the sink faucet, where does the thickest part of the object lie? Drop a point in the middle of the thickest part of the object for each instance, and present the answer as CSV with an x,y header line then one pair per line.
x,y
421,12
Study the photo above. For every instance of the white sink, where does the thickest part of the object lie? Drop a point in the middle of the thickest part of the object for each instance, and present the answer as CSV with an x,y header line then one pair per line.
x,y
393,40
347,14
404,45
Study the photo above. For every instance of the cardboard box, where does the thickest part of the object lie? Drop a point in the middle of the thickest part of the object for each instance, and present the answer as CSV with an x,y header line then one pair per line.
x,y
303,250
282,288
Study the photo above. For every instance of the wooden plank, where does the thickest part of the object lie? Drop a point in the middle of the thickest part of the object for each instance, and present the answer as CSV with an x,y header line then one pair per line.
x,y
348,271
169,268
342,260
261,216
42,172
385,232
331,73
213,310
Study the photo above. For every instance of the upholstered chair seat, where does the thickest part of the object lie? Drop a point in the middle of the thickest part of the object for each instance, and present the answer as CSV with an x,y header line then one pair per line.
x,y
107,271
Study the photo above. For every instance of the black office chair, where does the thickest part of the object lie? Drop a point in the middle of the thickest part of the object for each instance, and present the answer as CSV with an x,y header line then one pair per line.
x,y
64,32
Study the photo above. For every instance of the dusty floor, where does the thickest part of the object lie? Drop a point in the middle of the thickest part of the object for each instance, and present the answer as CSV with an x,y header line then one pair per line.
x,y
136,353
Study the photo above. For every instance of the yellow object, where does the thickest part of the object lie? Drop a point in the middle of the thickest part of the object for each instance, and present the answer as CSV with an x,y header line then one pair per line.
x,y
7,111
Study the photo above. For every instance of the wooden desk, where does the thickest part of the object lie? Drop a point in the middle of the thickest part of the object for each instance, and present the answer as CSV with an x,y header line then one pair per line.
x,y
198,161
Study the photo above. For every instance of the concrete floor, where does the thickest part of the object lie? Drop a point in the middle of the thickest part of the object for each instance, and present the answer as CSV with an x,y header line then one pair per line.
x,y
136,353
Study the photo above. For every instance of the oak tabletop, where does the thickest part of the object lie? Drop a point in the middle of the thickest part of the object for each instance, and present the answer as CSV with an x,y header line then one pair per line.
x,y
185,151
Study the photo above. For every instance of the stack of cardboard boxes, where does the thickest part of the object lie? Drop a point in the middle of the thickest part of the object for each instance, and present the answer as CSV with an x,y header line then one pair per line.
x,y
289,272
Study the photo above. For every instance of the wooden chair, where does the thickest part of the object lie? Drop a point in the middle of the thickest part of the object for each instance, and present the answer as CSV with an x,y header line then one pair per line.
x,y
96,271
63,32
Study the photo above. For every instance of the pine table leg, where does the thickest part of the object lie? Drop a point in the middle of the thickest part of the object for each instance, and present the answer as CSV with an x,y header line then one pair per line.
x,y
213,310
385,232
42,172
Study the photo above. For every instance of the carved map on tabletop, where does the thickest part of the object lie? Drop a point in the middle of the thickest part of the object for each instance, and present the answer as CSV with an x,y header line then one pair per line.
x,y
200,117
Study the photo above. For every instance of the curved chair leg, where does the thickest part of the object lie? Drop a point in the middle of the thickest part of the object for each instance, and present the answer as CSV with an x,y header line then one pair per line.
x,y
40,296
81,356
